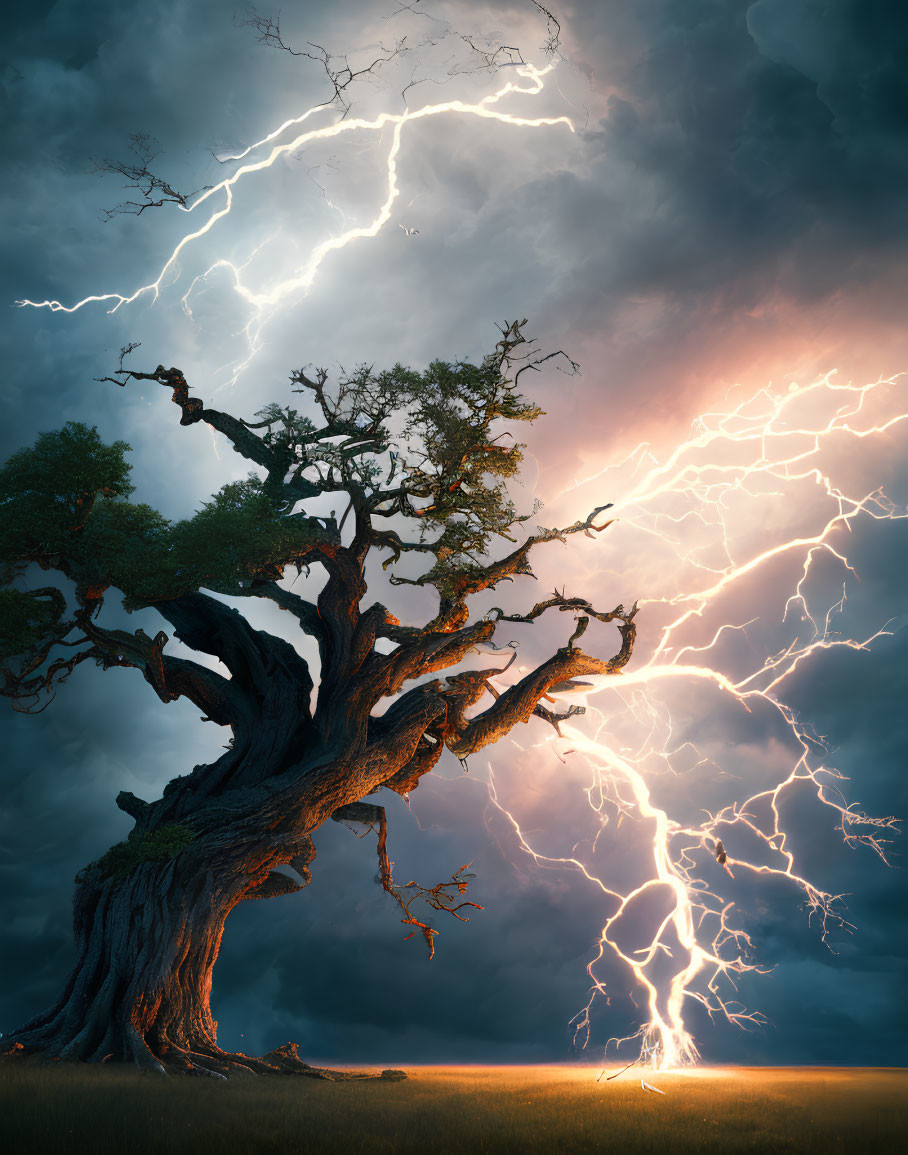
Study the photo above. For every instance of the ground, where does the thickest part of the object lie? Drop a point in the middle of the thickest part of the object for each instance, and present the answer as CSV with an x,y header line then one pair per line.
x,y
92,1111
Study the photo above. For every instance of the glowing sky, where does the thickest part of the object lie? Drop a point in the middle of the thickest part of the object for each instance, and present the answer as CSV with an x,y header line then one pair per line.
x,y
729,211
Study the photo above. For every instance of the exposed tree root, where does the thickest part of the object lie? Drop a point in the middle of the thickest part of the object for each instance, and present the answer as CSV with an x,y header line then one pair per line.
x,y
201,1060
286,1061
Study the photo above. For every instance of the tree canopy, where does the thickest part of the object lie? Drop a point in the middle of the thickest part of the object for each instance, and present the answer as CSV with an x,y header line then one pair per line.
x,y
417,464
428,450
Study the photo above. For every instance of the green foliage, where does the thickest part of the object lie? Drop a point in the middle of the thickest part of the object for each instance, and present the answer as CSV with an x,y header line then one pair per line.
x,y
444,452
119,544
238,534
457,461
155,846
295,430
25,622
74,518
65,500
47,491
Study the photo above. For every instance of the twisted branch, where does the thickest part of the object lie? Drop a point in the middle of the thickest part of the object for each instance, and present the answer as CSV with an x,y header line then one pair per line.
x,y
340,75
443,896
154,190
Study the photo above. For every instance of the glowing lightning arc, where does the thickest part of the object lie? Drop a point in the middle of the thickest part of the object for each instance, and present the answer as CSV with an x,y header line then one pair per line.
x,y
757,452
303,278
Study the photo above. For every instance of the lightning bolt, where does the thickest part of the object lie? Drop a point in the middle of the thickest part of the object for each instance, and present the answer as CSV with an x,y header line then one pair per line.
x,y
687,523
262,302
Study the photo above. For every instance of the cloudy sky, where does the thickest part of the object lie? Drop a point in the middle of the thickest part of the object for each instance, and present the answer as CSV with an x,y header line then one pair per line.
x,y
728,213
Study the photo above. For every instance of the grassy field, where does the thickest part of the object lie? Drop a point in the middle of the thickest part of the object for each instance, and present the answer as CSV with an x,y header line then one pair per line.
x,y
456,1109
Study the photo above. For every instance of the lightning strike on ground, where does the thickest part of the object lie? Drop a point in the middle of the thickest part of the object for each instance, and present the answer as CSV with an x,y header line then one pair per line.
x,y
708,516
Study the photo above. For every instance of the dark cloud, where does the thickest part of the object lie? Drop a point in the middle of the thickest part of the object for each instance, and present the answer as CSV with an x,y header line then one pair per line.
x,y
765,146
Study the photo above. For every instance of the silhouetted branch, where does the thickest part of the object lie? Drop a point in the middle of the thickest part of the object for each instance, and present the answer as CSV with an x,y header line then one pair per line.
x,y
337,68
153,189
553,31
443,896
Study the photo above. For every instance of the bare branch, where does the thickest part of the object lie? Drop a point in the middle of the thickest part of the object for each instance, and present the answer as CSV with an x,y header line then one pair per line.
x,y
276,459
487,54
520,701
337,69
512,338
153,190
494,56
553,717
564,605
461,585
26,692
170,677
552,44
413,10
443,896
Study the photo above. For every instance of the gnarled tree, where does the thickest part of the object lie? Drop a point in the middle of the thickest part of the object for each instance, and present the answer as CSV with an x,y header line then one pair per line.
x,y
419,461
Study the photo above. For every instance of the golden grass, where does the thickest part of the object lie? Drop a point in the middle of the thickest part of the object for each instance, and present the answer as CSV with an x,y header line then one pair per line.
x,y
458,1110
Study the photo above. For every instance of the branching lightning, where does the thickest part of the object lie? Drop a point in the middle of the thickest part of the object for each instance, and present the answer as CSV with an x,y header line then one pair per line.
x,y
218,200
699,508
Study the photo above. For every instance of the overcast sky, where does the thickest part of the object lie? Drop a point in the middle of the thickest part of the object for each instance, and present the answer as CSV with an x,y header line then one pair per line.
x,y
728,211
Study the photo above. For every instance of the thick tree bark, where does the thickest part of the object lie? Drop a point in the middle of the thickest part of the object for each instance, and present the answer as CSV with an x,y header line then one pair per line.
x,y
147,941
150,914
139,993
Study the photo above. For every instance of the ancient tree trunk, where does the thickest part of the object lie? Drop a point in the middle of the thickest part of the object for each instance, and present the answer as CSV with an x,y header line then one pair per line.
x,y
147,942
150,913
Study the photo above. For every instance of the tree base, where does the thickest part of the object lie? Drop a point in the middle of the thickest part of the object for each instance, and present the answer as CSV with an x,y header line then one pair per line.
x,y
215,1063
